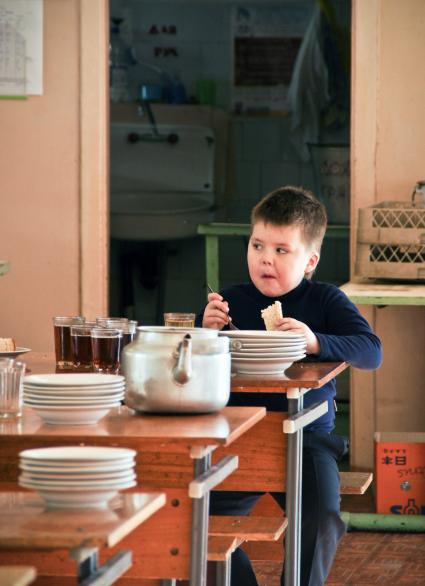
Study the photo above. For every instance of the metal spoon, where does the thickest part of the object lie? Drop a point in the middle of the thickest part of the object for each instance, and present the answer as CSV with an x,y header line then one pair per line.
x,y
229,323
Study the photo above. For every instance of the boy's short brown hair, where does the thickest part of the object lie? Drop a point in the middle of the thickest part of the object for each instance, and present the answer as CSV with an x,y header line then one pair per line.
x,y
290,205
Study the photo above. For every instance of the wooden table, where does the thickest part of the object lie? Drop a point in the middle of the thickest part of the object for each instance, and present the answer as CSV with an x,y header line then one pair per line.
x,y
28,524
297,380
180,530
17,575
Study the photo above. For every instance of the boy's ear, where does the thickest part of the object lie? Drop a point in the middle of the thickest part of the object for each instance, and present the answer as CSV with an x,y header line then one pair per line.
x,y
312,262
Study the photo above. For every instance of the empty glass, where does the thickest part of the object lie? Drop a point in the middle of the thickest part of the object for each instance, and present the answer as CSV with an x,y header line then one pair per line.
x,y
11,379
62,331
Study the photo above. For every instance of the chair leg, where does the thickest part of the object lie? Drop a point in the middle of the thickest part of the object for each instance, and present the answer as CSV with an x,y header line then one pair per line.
x,y
222,572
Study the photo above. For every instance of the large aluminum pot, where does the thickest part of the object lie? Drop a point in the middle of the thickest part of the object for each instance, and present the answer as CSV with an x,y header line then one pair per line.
x,y
177,370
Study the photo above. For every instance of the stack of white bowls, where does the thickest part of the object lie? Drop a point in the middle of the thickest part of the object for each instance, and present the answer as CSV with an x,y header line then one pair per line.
x,y
80,476
264,352
73,399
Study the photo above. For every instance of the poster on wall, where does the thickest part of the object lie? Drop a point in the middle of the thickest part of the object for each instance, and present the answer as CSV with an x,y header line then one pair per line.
x,y
21,47
265,43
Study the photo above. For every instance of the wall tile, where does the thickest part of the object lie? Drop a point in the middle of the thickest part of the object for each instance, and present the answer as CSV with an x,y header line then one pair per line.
x,y
261,140
274,175
248,180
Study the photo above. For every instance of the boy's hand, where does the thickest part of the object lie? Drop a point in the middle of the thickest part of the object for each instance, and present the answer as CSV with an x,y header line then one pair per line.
x,y
289,324
216,312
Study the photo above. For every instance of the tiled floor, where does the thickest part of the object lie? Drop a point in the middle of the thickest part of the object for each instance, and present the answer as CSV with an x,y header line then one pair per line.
x,y
366,558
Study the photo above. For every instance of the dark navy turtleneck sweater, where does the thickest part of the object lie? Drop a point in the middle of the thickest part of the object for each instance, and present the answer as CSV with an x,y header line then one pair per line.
x,y
343,334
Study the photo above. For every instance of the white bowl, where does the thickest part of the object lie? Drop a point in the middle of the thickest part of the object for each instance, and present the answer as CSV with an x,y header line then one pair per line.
x,y
57,415
76,500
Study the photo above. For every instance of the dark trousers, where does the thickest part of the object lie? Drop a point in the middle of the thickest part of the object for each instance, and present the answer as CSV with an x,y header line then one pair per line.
x,y
322,527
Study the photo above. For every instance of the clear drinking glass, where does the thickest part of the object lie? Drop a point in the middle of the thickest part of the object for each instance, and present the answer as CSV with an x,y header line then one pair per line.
x,y
128,332
11,379
81,346
106,349
179,320
106,322
62,331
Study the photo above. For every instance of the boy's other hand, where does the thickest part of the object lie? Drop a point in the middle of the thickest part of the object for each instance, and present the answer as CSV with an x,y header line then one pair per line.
x,y
289,324
216,312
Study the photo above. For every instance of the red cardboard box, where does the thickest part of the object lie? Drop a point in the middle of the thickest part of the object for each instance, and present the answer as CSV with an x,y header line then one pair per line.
x,y
400,473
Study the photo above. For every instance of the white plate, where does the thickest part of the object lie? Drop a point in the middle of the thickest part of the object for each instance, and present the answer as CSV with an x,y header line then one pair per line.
x,y
57,483
73,404
261,335
14,353
76,467
72,379
272,360
50,403
76,475
265,356
69,400
74,390
77,486
257,345
77,454
272,350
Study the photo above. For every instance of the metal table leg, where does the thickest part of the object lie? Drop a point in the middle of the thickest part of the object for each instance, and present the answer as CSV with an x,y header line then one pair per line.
x,y
294,425
199,545
293,498
205,478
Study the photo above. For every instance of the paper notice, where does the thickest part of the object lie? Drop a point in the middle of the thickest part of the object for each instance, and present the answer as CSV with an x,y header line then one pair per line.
x,y
21,47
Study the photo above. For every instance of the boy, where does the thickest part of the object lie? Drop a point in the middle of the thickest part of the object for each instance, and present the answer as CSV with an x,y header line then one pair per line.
x,y
288,226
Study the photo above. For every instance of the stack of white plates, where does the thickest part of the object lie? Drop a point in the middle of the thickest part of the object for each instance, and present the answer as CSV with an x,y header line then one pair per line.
x,y
73,399
262,352
77,476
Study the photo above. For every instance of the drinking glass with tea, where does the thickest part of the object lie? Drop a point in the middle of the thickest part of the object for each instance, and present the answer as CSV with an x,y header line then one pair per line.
x,y
62,333
81,346
106,348
179,320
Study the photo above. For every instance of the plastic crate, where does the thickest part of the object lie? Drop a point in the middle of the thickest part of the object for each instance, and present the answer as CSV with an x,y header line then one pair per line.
x,y
391,241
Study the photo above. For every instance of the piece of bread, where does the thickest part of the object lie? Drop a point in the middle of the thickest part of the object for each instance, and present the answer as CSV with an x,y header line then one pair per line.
x,y
272,314
7,345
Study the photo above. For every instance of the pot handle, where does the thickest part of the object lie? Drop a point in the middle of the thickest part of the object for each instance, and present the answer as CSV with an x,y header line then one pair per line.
x,y
182,372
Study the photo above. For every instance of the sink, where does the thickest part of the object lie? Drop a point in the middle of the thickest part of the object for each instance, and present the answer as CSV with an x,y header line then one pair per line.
x,y
162,184
145,216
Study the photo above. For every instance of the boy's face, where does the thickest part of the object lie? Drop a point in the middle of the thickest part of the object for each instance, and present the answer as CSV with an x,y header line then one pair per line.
x,y
278,258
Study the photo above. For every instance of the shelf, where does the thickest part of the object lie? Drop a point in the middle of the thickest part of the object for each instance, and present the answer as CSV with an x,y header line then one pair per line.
x,y
373,292
232,229
216,230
